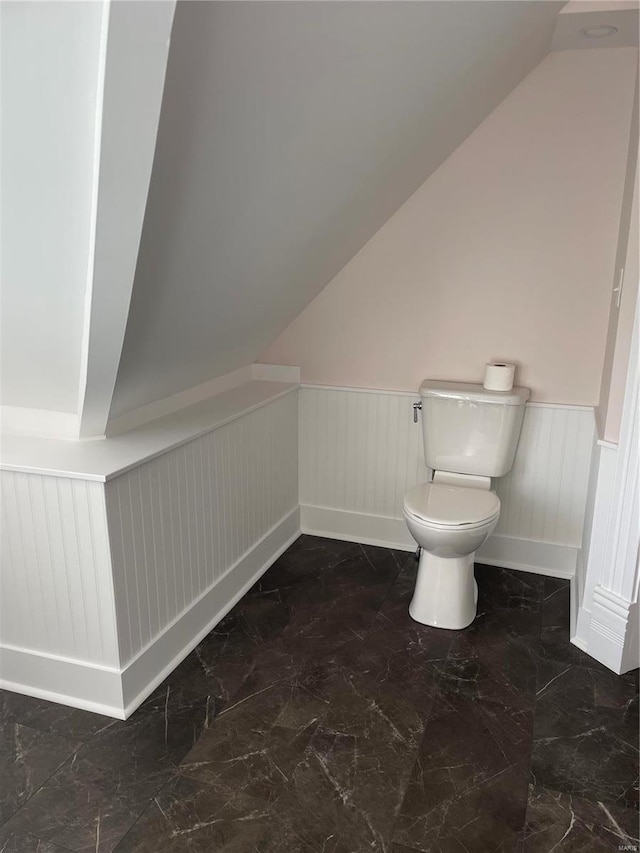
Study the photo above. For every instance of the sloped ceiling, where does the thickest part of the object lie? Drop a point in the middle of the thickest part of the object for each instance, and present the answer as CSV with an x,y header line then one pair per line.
x,y
289,133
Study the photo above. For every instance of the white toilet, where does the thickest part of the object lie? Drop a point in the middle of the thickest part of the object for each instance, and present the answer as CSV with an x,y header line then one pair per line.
x,y
470,435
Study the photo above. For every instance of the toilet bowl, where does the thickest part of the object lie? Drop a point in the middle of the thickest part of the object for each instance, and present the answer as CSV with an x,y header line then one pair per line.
x,y
449,522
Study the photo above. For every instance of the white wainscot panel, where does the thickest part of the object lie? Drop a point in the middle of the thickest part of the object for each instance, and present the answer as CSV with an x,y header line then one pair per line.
x,y
179,522
56,593
360,451
544,495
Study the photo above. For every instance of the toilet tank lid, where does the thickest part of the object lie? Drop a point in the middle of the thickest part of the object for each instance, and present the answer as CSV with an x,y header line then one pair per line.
x,y
473,393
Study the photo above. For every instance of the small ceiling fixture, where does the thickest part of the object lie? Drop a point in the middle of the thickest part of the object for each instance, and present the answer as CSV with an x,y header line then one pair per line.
x,y
598,32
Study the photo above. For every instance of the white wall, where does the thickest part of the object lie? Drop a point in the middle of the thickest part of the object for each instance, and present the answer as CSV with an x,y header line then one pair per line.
x,y
81,91
135,61
506,252
50,61
289,133
622,306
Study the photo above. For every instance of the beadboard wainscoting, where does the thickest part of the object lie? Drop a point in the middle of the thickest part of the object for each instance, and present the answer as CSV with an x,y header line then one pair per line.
x,y
360,451
57,610
191,523
106,586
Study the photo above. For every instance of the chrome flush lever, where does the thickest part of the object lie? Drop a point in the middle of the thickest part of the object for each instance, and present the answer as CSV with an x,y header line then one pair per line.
x,y
416,408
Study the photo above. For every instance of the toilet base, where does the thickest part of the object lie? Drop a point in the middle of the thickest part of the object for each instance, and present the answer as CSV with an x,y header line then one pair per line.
x,y
446,593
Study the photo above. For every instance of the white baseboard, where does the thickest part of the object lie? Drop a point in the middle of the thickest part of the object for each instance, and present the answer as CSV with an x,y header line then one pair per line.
x,y
70,682
612,619
631,652
580,632
579,617
528,555
356,527
541,558
152,665
117,693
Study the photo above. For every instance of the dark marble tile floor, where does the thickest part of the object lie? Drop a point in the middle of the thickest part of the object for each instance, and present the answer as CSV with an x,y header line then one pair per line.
x,y
317,717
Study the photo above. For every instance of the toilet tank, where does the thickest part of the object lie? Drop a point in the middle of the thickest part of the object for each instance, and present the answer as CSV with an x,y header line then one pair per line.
x,y
469,430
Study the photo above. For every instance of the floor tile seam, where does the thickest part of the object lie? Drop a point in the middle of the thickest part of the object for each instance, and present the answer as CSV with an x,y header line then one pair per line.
x,y
220,658
397,570
491,645
426,721
186,773
239,703
143,810
529,698
536,699
596,666
492,609
39,730
525,637
387,594
56,844
213,783
483,701
45,782
589,799
525,766
353,807
411,746
189,706
586,795
38,839
635,749
325,566
525,823
47,730
459,795
529,761
251,595
405,846
233,696
268,803
533,607
168,767
398,815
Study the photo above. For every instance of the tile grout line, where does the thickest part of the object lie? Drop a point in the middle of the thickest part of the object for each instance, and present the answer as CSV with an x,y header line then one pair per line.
x,y
53,773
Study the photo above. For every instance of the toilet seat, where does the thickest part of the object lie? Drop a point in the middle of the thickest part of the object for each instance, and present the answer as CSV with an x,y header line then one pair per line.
x,y
446,507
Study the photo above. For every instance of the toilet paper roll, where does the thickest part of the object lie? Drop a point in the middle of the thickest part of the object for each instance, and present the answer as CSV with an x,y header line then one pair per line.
x,y
498,376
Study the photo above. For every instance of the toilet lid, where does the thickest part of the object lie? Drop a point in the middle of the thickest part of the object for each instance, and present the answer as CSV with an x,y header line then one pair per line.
x,y
451,505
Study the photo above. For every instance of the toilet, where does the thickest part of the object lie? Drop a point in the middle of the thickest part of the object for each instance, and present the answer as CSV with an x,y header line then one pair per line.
x,y
470,436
